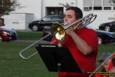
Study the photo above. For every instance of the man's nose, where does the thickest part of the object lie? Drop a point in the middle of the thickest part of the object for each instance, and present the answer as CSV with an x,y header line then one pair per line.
x,y
65,19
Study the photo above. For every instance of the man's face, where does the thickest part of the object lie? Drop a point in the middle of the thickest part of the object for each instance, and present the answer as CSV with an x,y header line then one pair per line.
x,y
69,17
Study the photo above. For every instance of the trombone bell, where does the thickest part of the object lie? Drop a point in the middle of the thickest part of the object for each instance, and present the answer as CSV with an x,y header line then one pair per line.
x,y
58,31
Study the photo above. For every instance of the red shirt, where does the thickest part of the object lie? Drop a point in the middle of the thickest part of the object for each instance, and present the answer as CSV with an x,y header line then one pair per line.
x,y
110,62
86,62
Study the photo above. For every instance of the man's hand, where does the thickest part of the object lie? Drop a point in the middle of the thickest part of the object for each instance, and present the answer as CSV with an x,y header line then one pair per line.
x,y
69,31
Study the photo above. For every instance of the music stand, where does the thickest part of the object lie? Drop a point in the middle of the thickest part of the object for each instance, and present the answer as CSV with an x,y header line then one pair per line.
x,y
57,58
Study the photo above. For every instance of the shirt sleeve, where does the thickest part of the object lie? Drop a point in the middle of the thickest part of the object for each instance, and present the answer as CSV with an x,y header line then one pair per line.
x,y
91,38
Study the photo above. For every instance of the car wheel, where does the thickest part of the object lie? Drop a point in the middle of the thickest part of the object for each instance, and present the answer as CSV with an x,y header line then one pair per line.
x,y
34,28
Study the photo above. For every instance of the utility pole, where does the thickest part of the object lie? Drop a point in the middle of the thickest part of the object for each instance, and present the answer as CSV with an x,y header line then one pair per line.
x,y
42,8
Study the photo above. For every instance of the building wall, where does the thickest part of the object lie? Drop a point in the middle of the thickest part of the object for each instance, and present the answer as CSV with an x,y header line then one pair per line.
x,y
18,21
30,6
102,17
38,8
104,9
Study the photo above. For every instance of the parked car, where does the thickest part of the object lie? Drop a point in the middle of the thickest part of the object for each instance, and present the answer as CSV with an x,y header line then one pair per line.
x,y
105,37
46,22
109,26
8,34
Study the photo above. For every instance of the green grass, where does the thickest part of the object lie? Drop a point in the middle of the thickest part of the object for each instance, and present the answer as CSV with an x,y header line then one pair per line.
x,y
29,35
108,48
11,65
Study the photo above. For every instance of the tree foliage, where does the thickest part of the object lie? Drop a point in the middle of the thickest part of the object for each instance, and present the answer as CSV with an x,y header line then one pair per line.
x,y
7,6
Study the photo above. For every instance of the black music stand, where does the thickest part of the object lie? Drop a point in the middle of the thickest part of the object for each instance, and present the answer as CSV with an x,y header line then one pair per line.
x,y
57,58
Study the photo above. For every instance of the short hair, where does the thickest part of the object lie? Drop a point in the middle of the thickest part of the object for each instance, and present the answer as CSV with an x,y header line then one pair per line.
x,y
78,11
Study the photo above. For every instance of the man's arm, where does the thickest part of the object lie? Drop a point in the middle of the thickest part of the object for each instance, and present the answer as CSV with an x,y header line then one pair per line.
x,y
80,43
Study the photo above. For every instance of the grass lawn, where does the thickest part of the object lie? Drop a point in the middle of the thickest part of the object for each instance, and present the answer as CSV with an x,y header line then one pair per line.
x,y
11,65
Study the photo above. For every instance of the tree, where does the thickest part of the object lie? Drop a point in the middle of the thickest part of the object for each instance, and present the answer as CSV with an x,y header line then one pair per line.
x,y
7,6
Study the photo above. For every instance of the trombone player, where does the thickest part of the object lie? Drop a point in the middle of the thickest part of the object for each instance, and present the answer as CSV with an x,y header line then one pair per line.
x,y
82,43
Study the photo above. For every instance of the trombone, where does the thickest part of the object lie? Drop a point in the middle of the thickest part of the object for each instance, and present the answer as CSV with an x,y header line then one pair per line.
x,y
59,32
99,67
